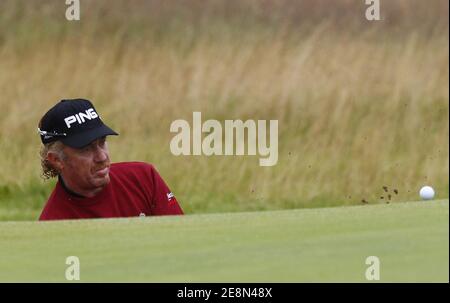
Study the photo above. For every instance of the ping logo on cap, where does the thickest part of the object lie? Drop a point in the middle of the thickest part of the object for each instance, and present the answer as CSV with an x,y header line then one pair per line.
x,y
80,117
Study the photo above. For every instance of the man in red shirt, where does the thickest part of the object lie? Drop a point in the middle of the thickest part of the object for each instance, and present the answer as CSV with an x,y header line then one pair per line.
x,y
89,186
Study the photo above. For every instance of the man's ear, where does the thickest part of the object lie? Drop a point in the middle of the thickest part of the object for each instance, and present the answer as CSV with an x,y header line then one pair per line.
x,y
55,161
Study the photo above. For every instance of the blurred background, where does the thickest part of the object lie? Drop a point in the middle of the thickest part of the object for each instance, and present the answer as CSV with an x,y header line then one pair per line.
x,y
361,104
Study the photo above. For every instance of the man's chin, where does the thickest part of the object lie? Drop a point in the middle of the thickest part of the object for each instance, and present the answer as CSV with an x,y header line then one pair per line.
x,y
102,181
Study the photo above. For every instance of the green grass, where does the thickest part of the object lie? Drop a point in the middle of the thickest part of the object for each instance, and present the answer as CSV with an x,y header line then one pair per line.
x,y
327,244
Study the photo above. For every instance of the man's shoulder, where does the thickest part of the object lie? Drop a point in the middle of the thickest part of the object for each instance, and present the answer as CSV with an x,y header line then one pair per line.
x,y
55,208
132,174
131,167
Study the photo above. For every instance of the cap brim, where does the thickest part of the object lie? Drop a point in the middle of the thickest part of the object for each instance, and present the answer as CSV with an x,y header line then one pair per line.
x,y
82,139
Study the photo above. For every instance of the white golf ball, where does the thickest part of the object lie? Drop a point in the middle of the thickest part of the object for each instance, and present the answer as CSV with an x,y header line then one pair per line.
x,y
427,193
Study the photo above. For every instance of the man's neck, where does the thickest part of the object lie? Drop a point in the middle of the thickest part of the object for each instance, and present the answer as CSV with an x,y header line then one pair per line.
x,y
77,194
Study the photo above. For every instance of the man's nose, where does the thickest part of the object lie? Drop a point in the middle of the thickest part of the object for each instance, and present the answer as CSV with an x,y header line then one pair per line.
x,y
101,154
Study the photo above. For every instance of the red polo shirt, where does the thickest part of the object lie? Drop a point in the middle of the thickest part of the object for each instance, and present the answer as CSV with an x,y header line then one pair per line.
x,y
135,189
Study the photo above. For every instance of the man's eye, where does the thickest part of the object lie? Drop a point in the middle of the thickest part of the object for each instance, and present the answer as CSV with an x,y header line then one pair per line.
x,y
86,148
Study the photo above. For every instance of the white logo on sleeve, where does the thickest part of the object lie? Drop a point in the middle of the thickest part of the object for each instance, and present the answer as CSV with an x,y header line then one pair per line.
x,y
170,196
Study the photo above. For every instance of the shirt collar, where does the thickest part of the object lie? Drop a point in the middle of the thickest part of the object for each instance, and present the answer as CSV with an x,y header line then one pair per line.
x,y
60,179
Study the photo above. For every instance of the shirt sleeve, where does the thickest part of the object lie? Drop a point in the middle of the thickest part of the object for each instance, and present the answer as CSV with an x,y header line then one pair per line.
x,y
163,200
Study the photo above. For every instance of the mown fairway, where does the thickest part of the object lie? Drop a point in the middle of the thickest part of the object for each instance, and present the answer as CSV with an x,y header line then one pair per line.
x,y
328,244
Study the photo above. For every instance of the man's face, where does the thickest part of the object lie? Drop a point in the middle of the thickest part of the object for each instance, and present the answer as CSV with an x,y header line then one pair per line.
x,y
86,170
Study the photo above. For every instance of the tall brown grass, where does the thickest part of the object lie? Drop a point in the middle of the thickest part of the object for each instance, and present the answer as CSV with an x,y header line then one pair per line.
x,y
360,104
